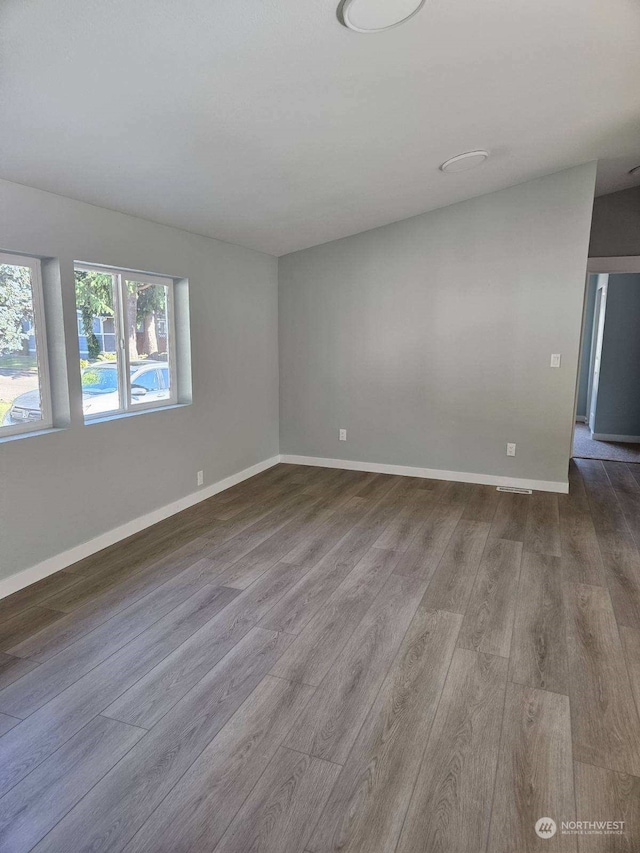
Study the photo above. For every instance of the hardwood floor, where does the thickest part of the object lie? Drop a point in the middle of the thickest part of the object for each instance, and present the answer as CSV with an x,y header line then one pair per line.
x,y
327,661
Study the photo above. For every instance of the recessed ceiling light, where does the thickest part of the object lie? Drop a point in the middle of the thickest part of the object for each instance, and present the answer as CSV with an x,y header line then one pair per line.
x,y
635,170
374,16
464,161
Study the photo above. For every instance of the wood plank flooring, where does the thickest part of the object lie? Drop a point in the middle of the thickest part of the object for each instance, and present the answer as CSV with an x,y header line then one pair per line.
x,y
327,661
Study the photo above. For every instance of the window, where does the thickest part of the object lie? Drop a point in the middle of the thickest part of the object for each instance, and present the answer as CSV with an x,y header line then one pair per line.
x,y
126,332
25,403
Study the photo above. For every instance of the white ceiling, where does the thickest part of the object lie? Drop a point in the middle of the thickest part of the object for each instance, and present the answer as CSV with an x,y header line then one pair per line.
x,y
268,124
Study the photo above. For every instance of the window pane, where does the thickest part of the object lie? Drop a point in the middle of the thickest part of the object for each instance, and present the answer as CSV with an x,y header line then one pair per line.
x,y
95,302
148,380
20,362
147,307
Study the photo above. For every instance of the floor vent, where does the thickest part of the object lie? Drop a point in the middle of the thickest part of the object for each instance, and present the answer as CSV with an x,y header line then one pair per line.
x,y
514,490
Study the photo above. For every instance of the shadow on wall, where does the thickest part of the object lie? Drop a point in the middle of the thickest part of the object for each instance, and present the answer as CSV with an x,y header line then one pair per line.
x,y
615,226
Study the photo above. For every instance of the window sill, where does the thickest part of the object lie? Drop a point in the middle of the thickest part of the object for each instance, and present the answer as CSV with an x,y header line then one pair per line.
x,y
5,439
119,416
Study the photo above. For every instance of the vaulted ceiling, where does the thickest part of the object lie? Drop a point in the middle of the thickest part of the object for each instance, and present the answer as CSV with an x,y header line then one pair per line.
x,y
269,124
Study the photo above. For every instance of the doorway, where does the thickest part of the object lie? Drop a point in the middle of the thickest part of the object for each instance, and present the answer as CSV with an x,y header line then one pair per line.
x,y
608,396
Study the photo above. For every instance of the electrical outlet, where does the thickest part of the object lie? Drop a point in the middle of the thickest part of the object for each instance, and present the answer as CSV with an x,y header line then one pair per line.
x,y
511,449
343,435
200,478
556,358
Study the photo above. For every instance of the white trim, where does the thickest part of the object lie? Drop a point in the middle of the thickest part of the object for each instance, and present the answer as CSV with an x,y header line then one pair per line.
x,y
120,278
628,263
581,419
60,561
430,473
626,439
42,352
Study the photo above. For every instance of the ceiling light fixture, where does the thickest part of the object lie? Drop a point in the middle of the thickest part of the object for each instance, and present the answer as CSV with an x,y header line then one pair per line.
x,y
464,161
375,16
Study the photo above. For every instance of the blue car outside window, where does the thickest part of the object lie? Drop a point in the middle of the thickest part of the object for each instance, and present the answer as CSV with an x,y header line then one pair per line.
x,y
99,380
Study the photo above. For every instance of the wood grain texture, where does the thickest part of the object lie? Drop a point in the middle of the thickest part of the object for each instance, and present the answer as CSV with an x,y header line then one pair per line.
x,y
37,803
154,694
7,722
367,806
604,795
451,584
414,506
12,668
510,518
341,702
319,542
243,572
451,804
622,574
280,813
375,621
576,498
604,718
37,737
538,652
609,520
581,558
630,638
36,593
482,504
377,487
429,544
25,696
101,608
264,521
201,806
385,511
17,628
298,606
488,623
131,577
312,653
534,777
139,783
620,556
542,534
627,491
634,471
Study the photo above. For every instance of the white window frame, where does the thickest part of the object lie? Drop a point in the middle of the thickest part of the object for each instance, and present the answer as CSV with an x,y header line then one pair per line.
x,y
121,277
42,353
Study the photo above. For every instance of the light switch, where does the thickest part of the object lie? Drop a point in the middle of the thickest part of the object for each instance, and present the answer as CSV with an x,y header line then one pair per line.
x,y
555,359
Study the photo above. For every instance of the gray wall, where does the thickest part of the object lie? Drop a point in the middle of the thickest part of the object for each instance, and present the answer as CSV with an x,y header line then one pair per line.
x,y
615,229
585,348
66,487
429,340
618,405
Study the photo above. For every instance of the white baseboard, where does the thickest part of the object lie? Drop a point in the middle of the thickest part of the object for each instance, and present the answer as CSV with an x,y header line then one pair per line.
x,y
605,436
581,419
431,473
60,561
